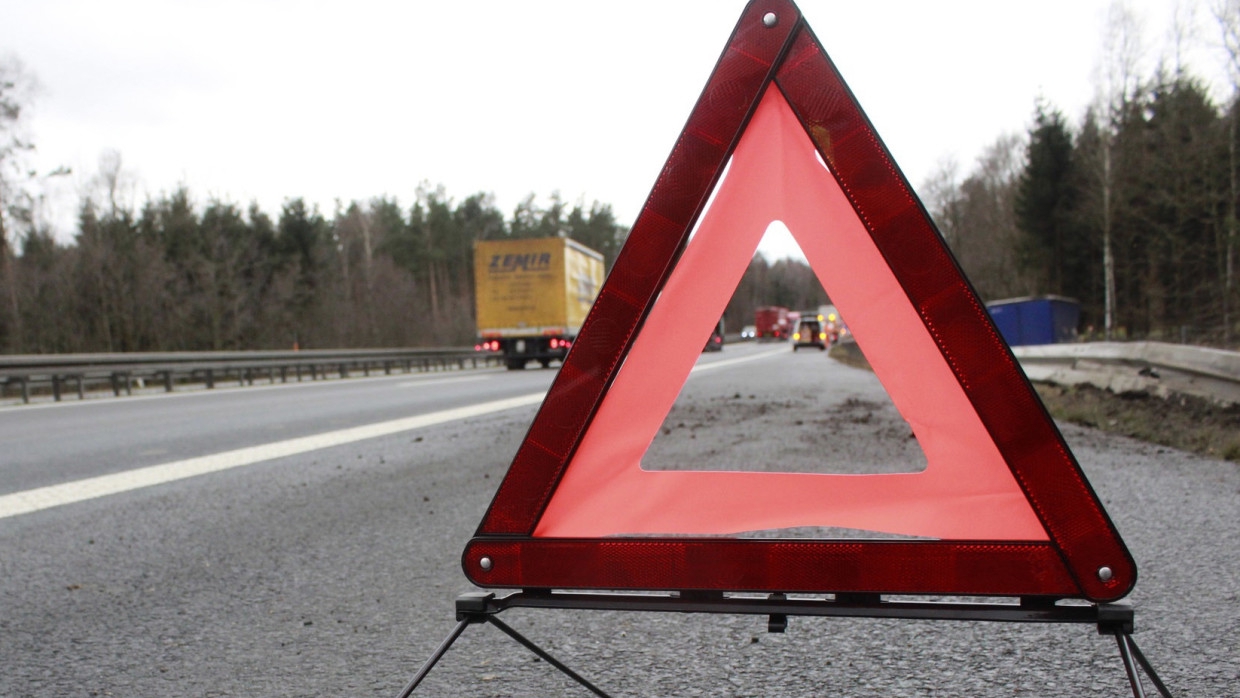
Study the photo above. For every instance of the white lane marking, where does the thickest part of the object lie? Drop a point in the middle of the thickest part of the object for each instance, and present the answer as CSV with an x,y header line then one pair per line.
x,y
732,362
41,498
439,381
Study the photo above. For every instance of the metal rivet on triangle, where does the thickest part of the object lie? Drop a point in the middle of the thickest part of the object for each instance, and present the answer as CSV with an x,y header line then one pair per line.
x,y
485,564
1105,574
770,19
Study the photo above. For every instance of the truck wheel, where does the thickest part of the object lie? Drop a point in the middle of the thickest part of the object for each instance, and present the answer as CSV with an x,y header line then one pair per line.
x,y
515,364
546,363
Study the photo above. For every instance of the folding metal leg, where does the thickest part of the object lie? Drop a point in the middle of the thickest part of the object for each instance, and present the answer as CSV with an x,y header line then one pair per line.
x,y
434,658
476,608
1127,651
1110,618
546,657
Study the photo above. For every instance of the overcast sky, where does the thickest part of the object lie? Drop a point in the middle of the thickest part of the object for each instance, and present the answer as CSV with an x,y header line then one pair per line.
x,y
266,100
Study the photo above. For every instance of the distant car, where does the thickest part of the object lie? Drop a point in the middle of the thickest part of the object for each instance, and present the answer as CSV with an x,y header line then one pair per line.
x,y
809,333
715,343
749,332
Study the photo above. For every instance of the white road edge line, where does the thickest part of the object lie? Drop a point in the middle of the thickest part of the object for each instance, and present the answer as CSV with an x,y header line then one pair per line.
x,y
41,498
38,499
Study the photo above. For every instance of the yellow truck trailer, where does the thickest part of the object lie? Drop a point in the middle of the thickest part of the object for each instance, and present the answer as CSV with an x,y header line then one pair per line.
x,y
532,296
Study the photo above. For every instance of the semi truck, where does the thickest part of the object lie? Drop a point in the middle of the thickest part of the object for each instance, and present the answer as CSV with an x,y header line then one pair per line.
x,y
532,295
771,322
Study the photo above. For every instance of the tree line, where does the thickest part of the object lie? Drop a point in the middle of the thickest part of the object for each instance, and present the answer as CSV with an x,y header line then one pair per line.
x,y
1132,211
172,276
176,277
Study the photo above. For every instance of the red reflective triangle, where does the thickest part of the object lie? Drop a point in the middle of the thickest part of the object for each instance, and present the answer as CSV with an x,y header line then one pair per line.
x,y
1007,505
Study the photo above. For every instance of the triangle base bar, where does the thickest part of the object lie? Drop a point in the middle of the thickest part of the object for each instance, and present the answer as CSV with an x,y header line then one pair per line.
x,y
958,568
1115,619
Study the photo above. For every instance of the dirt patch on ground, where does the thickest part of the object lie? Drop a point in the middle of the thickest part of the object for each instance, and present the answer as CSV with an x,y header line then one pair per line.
x,y
794,434
1184,422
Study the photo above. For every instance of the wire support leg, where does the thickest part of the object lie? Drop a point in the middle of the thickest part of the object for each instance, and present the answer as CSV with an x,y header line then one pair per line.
x,y
1128,650
434,658
546,657
1130,668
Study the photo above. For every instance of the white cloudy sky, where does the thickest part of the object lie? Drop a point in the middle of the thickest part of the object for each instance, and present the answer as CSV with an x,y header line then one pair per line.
x,y
268,99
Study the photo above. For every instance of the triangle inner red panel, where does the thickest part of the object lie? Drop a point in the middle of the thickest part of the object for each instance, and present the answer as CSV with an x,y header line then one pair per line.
x,y
966,491
576,510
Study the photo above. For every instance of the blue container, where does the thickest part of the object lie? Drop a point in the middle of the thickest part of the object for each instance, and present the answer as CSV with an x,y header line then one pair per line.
x,y
1036,320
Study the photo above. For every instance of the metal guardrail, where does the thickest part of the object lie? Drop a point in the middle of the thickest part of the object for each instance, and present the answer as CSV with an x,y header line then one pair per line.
x,y
120,372
1151,367
1156,368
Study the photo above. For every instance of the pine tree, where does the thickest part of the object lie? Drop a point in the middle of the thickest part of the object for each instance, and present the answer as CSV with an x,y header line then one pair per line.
x,y
1049,245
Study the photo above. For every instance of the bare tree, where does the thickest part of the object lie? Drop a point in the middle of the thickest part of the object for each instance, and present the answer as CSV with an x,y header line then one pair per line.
x,y
1227,13
114,182
977,217
1183,34
941,194
16,89
1119,82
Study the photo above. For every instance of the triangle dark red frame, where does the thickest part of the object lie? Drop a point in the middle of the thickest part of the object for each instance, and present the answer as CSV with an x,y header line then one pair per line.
x,y
1084,556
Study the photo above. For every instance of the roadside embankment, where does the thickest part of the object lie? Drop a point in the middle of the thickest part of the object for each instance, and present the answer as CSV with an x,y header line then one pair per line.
x,y
1180,397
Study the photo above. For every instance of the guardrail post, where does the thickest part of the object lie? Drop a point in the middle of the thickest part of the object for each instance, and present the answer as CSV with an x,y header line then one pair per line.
x,y
283,374
81,390
168,381
344,370
25,389
117,376
210,378
56,387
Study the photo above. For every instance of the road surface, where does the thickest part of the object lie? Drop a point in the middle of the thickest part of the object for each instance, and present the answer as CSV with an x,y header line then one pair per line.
x,y
324,559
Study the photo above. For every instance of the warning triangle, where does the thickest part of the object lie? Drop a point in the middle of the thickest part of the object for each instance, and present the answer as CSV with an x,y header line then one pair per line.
x,y
1006,505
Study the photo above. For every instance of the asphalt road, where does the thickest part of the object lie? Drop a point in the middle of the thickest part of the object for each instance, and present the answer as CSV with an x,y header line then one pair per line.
x,y
333,571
